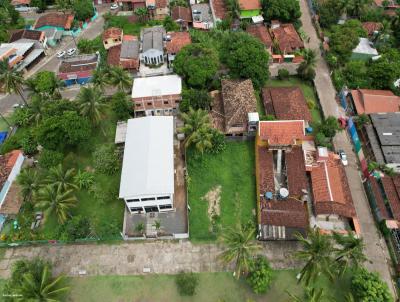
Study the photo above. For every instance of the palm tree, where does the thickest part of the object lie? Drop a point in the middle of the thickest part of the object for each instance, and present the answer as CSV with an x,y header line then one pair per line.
x,y
194,120
11,79
202,139
29,183
119,78
359,7
384,33
48,289
100,78
240,248
52,199
36,108
350,252
61,179
233,7
141,13
91,102
317,249
31,85
306,68
312,295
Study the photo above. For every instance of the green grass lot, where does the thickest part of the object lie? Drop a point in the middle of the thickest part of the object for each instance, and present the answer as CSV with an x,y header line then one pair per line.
x,y
233,170
129,28
213,287
308,91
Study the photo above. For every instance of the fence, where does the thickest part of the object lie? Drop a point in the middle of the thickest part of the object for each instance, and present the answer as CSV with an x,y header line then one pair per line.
x,y
357,146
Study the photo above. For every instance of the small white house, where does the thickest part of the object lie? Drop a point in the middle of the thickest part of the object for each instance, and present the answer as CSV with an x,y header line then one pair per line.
x,y
147,179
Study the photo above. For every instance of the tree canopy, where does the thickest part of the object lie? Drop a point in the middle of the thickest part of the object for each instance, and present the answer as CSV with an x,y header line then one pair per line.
x,y
282,10
369,287
83,9
245,56
197,64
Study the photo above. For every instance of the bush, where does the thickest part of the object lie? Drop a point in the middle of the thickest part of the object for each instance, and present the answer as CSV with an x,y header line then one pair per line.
x,y
186,283
283,74
369,287
84,179
260,275
76,228
218,142
106,159
121,107
10,144
50,158
21,117
29,143
310,104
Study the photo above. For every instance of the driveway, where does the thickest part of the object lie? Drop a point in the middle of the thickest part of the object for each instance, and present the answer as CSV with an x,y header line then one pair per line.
x,y
376,250
138,258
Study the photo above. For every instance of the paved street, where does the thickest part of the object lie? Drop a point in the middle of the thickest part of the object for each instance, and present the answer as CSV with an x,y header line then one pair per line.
x,y
376,249
161,257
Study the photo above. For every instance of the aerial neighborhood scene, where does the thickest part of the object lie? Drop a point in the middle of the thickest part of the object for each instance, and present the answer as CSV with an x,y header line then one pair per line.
x,y
200,150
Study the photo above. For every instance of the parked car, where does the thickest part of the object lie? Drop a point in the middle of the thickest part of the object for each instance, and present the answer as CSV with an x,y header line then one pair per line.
x,y
114,6
60,54
71,51
343,157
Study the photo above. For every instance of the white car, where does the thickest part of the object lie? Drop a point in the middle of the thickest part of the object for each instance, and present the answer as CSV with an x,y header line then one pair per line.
x,y
114,6
343,157
60,54
71,51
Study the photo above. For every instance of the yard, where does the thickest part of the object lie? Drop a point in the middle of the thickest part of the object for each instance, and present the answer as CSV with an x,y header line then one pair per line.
x,y
308,91
221,190
213,287
129,28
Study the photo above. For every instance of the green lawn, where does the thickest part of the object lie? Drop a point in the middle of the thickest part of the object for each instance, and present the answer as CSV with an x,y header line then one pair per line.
x,y
213,287
308,91
233,171
129,28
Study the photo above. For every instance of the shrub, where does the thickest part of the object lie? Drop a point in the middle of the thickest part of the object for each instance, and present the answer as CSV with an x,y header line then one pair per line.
x,y
186,283
76,228
121,107
21,117
28,143
310,104
84,179
260,275
50,158
369,287
10,144
218,142
105,160
283,74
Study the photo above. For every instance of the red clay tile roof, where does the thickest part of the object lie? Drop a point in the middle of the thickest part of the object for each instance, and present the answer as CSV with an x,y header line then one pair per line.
x,y
392,195
19,2
378,198
371,27
296,172
281,132
181,13
129,64
287,37
113,55
330,188
56,20
7,162
177,42
260,32
375,101
161,4
26,34
286,103
219,8
249,4
391,3
112,33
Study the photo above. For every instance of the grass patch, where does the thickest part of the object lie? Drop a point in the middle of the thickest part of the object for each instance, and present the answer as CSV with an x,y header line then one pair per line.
x,y
212,287
129,28
308,91
233,171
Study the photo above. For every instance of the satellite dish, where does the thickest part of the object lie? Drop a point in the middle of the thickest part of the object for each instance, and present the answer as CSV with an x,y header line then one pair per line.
x,y
283,192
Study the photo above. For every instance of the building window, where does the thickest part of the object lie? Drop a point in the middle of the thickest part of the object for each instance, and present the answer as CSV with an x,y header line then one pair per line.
x,y
105,42
165,102
138,105
149,103
148,198
133,200
165,206
138,209
163,197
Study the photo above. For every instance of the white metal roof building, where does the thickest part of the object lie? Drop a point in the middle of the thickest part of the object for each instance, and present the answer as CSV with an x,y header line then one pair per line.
x,y
147,179
156,86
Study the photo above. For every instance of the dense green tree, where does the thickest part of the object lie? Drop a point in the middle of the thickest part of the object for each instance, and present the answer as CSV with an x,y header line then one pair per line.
x,y
260,275
355,75
40,4
83,9
385,71
47,84
100,77
84,179
50,158
195,98
329,12
87,46
369,287
240,248
77,227
170,24
197,64
9,19
29,182
233,8
245,56
141,13
282,10
186,283
91,103
306,68
122,106
120,78
11,80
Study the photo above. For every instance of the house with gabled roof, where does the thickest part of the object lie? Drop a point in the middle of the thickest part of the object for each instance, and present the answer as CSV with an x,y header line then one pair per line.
x,y
261,32
152,45
175,41
112,37
182,15
286,37
368,101
78,69
28,34
218,9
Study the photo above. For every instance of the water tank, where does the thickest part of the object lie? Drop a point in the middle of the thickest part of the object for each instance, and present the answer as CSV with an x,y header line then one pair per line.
x,y
269,195
283,193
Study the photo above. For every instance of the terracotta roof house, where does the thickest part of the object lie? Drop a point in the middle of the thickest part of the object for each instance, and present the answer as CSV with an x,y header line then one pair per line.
x,y
113,55
112,37
129,56
23,53
59,21
158,9
175,42
78,69
367,101
249,8
202,16
287,38
27,34
260,32
21,5
159,95
10,199
234,111
286,103
131,5
372,27
282,133
182,15
218,9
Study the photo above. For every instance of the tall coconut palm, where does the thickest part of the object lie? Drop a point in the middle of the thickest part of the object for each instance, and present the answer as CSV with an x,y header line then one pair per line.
x,y
194,120
240,248
11,80
100,78
306,68
119,78
61,179
91,102
29,182
53,200
312,295
317,253
48,289
359,7
349,253
36,108
202,139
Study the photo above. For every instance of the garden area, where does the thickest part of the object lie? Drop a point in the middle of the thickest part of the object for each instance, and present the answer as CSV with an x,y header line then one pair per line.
x,y
221,189
129,27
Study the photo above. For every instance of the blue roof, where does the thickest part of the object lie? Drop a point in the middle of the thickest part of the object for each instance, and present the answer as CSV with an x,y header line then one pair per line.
x,y
3,136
